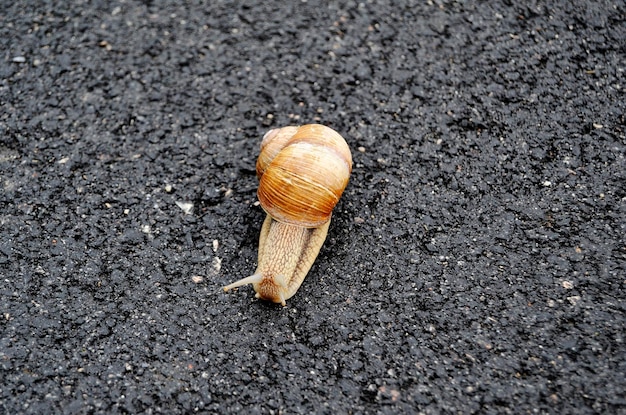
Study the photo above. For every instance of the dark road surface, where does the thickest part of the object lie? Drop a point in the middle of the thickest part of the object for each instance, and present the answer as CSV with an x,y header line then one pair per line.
x,y
476,262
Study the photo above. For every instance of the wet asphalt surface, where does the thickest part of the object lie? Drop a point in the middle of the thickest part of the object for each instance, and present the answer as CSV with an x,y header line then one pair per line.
x,y
475,264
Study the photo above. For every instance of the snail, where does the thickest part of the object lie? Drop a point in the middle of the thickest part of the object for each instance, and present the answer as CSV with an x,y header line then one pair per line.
x,y
302,173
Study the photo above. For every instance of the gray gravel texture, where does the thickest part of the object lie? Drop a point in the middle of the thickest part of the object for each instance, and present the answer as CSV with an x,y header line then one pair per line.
x,y
475,264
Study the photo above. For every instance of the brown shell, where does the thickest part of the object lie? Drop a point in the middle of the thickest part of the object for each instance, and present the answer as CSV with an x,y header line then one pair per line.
x,y
303,172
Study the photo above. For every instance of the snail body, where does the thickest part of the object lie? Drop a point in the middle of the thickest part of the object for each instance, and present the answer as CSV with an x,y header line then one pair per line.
x,y
302,173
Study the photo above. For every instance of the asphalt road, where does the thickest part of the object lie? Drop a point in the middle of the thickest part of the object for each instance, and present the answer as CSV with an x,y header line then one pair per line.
x,y
475,264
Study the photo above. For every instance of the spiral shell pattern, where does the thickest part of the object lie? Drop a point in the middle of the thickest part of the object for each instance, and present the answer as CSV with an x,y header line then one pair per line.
x,y
302,171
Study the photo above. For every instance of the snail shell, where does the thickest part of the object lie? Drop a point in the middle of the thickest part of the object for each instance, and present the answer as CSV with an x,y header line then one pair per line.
x,y
302,173
303,176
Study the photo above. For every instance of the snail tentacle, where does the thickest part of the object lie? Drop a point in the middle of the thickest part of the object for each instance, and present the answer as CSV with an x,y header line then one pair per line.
x,y
252,279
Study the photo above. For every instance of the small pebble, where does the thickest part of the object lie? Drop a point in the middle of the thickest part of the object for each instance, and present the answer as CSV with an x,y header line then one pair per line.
x,y
186,207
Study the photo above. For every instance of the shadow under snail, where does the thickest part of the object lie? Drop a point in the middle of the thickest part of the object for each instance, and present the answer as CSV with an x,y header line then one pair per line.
x,y
302,173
